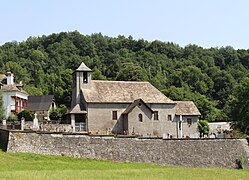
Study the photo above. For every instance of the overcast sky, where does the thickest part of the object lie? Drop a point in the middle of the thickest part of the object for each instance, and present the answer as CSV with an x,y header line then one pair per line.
x,y
207,23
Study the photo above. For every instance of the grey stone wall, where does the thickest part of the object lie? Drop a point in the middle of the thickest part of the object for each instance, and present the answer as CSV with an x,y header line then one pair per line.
x,y
49,127
194,153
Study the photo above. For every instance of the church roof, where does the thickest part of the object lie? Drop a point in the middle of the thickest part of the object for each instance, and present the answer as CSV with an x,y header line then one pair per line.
x,y
187,108
123,92
77,109
134,104
83,67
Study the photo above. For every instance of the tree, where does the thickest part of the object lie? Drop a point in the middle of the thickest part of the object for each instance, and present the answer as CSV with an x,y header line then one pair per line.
x,y
239,113
132,72
203,127
58,113
27,114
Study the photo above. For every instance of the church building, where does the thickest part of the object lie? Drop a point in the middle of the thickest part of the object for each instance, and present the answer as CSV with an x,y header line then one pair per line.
x,y
128,107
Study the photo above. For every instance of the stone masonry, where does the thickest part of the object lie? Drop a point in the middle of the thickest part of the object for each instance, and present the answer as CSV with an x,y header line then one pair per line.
x,y
193,153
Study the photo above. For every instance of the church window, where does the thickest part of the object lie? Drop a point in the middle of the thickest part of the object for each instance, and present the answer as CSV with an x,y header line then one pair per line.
x,y
155,115
189,121
114,115
140,117
169,117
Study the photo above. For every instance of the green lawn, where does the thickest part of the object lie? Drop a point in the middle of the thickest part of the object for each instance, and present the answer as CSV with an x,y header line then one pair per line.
x,y
31,166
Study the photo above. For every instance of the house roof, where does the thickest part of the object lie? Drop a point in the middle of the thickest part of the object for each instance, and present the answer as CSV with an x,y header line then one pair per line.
x,y
12,87
134,104
187,108
77,109
123,92
40,103
83,67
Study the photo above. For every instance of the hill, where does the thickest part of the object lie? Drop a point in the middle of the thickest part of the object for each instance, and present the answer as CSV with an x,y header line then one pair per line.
x,y
206,76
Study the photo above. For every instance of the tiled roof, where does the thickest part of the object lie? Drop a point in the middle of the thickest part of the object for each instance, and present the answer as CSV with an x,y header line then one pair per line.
x,y
12,87
134,104
77,109
83,67
186,108
40,103
123,92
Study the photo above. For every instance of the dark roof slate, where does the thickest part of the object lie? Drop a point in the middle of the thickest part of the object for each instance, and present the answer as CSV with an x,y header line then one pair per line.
x,y
40,103
134,104
77,109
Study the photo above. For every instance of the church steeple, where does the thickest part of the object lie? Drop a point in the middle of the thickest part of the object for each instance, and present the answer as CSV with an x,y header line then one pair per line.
x,y
83,67
81,80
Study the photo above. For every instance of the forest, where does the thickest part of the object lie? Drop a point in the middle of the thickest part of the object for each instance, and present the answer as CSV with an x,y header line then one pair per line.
x,y
207,76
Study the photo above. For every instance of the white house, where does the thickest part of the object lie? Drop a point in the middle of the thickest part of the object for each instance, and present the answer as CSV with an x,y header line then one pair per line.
x,y
15,99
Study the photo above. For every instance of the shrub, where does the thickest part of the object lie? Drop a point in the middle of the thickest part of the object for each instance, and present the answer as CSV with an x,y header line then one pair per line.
x,y
58,113
203,127
240,162
12,119
27,114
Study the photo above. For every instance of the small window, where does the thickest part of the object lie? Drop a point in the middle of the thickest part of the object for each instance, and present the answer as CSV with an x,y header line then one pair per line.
x,y
84,77
155,115
189,121
114,115
180,125
140,117
169,117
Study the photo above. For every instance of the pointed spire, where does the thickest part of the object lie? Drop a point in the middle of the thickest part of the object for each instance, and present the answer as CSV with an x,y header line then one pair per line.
x,y
83,67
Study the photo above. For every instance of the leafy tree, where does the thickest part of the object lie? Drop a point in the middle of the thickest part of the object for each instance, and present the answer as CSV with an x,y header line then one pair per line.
x,y
132,72
58,113
203,127
205,76
98,75
239,104
27,114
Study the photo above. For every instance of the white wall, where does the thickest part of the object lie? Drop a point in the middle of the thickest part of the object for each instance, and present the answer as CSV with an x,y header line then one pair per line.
x,y
9,101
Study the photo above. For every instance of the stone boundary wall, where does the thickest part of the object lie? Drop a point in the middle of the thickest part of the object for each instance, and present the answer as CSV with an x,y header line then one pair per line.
x,y
193,153
49,127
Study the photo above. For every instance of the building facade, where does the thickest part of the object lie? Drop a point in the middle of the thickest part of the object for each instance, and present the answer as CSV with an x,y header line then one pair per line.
x,y
42,106
128,107
15,99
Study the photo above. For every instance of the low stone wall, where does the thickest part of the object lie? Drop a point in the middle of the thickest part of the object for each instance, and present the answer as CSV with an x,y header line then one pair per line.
x,y
194,153
49,127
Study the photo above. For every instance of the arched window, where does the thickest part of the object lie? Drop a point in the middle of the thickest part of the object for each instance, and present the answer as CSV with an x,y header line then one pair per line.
x,y
140,117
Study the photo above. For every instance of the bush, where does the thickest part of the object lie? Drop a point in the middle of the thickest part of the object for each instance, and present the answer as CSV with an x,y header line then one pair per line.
x,y
240,162
27,114
203,127
12,119
58,113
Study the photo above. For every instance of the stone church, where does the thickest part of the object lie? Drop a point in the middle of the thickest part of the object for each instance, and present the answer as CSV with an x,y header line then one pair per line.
x,y
128,107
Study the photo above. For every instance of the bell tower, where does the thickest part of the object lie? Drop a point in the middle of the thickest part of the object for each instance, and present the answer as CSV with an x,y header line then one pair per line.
x,y
81,80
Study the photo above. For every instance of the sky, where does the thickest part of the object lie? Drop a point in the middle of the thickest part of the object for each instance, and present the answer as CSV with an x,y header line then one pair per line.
x,y
206,23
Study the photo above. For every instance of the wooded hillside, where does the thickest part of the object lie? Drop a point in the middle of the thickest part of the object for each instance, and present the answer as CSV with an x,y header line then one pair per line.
x,y
206,76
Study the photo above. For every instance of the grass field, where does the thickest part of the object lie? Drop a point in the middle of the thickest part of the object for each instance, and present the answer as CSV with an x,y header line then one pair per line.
x,y
32,166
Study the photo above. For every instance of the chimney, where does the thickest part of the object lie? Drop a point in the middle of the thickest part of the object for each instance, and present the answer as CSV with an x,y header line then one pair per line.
x,y
10,78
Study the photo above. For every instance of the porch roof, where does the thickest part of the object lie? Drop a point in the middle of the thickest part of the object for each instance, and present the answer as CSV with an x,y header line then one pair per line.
x,y
77,109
